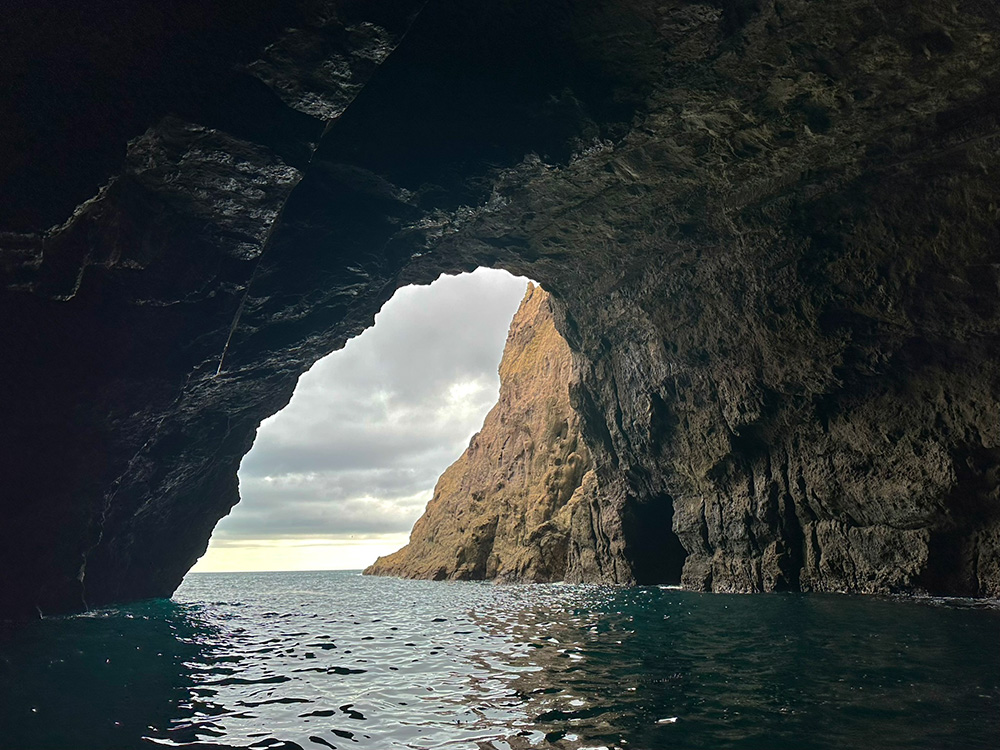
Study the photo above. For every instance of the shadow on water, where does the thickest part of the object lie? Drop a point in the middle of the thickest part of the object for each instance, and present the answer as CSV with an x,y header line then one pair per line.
x,y
100,680
655,667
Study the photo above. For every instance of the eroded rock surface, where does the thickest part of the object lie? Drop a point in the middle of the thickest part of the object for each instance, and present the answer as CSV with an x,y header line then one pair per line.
x,y
504,509
769,229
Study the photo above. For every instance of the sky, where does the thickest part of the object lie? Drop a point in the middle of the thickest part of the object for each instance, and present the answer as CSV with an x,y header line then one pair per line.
x,y
339,476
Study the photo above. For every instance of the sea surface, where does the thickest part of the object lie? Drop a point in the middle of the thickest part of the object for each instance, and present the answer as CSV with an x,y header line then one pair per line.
x,y
336,660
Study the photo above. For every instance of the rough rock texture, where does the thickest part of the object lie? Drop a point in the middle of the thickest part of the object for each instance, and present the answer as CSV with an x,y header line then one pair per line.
x,y
122,429
770,229
503,510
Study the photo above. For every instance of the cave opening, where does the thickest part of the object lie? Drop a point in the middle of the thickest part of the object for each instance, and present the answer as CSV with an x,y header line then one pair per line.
x,y
657,553
337,477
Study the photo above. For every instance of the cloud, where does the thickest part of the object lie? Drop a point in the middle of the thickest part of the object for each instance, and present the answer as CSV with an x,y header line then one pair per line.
x,y
371,427
299,513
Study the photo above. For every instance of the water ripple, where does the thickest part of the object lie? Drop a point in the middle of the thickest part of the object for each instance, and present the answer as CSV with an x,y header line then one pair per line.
x,y
335,660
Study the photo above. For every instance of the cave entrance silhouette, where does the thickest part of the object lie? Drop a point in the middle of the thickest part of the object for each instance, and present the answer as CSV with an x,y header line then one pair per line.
x,y
339,475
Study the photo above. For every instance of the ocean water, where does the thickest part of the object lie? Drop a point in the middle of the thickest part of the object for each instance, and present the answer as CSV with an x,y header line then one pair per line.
x,y
337,660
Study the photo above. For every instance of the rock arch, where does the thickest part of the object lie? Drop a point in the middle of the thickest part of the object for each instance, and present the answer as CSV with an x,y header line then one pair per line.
x,y
770,229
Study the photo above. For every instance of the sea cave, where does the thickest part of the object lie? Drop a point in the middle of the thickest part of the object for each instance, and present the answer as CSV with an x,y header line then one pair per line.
x,y
767,232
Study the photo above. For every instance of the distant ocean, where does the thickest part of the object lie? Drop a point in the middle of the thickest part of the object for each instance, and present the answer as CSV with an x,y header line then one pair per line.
x,y
337,660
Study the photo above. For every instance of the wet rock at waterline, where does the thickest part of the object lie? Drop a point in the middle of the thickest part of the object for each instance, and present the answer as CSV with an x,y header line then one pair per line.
x,y
769,230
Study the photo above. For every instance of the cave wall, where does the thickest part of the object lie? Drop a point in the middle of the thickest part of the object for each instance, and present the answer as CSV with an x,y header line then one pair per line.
x,y
770,229
794,255
124,423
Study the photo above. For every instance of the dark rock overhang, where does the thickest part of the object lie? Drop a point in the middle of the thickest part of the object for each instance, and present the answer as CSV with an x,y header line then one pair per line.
x,y
770,228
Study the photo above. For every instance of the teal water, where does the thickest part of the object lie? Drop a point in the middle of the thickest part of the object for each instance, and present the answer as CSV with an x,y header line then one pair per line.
x,y
334,659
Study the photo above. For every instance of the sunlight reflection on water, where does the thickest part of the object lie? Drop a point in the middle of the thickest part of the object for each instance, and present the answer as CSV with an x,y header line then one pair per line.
x,y
286,660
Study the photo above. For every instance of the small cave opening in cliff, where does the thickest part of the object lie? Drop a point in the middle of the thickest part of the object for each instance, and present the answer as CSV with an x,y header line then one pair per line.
x,y
339,475
657,553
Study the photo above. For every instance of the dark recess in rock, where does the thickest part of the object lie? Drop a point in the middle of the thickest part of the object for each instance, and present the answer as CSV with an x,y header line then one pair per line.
x,y
769,228
655,552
